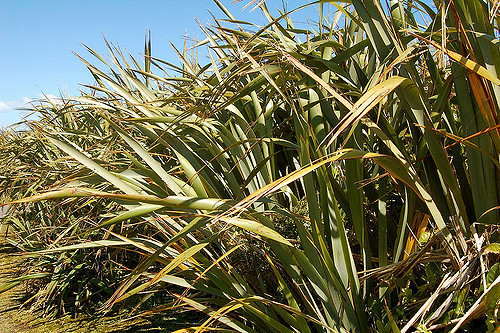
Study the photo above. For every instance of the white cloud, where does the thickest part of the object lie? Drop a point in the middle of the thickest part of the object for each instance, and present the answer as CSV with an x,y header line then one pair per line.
x,y
51,99
13,105
6,106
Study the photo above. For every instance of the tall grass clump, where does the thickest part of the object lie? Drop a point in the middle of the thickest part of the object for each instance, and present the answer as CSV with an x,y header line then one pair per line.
x,y
337,177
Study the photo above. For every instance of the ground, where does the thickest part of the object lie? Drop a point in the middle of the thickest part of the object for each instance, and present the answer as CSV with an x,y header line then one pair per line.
x,y
17,319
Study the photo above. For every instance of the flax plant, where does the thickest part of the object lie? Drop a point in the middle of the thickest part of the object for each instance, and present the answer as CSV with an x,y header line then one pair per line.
x,y
381,123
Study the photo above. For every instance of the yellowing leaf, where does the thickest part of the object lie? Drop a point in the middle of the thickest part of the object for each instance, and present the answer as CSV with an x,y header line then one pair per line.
x,y
369,99
468,63
256,228
493,248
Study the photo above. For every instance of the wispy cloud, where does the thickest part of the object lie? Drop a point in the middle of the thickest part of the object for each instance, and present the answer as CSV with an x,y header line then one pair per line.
x,y
6,106
12,105
51,99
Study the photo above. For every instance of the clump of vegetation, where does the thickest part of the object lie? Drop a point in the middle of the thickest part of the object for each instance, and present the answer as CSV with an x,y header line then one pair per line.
x,y
339,177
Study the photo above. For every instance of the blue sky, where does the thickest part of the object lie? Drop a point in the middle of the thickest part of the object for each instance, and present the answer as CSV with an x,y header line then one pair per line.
x,y
37,39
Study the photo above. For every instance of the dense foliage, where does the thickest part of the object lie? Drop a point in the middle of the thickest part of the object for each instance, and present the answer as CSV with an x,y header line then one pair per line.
x,y
339,177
